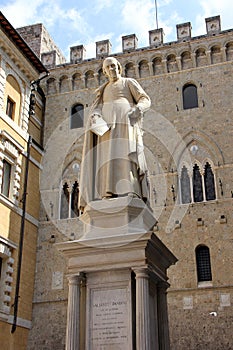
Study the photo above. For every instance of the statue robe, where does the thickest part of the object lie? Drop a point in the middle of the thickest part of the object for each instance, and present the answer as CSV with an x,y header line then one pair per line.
x,y
114,164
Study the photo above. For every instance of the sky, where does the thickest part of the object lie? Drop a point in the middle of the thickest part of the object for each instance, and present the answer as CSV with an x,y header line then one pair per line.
x,y
84,22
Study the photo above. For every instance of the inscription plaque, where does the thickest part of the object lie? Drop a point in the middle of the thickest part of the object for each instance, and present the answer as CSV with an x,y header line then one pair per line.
x,y
109,319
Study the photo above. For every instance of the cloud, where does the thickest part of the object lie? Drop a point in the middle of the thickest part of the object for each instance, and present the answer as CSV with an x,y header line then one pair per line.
x,y
138,17
19,13
50,13
102,4
213,8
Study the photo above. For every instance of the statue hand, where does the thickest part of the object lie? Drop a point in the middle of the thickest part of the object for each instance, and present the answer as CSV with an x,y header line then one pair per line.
x,y
135,114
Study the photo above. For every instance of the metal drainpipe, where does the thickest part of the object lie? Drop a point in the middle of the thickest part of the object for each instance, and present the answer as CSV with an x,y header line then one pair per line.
x,y
21,237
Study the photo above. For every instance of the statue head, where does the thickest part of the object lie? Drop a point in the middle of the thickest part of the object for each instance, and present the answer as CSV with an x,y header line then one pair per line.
x,y
111,65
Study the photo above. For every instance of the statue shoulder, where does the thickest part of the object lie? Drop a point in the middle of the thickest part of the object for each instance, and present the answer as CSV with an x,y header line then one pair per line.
x,y
101,88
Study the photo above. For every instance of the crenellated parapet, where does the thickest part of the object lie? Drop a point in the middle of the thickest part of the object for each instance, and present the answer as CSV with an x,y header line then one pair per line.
x,y
187,53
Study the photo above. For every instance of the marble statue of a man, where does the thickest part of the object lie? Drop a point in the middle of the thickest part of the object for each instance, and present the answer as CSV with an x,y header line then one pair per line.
x,y
113,163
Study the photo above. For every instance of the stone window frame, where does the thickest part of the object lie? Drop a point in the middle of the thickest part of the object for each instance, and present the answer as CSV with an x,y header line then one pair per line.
x,y
6,280
203,266
194,94
202,168
10,151
73,124
10,107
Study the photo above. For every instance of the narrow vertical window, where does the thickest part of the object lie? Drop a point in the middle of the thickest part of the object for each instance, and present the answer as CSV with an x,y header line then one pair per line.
x,y
6,178
197,184
77,116
209,183
190,99
74,200
203,264
10,108
185,186
64,212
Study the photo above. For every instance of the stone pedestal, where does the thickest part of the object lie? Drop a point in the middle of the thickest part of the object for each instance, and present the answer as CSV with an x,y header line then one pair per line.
x,y
123,302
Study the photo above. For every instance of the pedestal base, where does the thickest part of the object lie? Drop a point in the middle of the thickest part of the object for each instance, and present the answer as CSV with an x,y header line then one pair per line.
x,y
116,216
121,267
122,292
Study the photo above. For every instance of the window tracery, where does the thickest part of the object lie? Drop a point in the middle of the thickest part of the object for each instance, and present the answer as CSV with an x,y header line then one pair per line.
x,y
197,184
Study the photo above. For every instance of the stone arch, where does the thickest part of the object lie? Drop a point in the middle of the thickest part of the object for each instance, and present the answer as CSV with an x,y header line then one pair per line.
x,y
200,146
64,84
229,51
51,86
216,54
90,79
172,63
130,70
101,76
77,81
157,65
143,68
186,60
201,57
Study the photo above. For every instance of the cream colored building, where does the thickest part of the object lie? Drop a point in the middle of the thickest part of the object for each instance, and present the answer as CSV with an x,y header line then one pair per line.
x,y
21,139
188,142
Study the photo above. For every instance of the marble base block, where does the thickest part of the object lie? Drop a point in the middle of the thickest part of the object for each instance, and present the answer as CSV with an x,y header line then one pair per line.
x,y
116,216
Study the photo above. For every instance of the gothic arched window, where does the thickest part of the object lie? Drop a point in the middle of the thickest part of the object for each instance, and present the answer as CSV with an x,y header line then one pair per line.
x,y
185,186
203,264
69,201
190,99
209,183
198,187
197,184
77,116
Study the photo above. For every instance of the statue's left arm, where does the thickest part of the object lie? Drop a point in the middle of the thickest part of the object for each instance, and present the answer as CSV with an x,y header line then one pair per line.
x,y
142,100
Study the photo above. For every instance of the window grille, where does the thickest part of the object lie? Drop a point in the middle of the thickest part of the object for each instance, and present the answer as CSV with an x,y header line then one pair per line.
x,y
203,264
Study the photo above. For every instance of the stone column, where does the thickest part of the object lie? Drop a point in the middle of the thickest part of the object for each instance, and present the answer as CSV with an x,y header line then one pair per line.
x,y
72,326
142,309
178,60
164,62
150,64
136,67
164,342
194,59
96,76
208,55
224,55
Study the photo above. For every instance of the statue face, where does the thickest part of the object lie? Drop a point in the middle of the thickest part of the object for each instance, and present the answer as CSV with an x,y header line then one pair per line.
x,y
111,69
